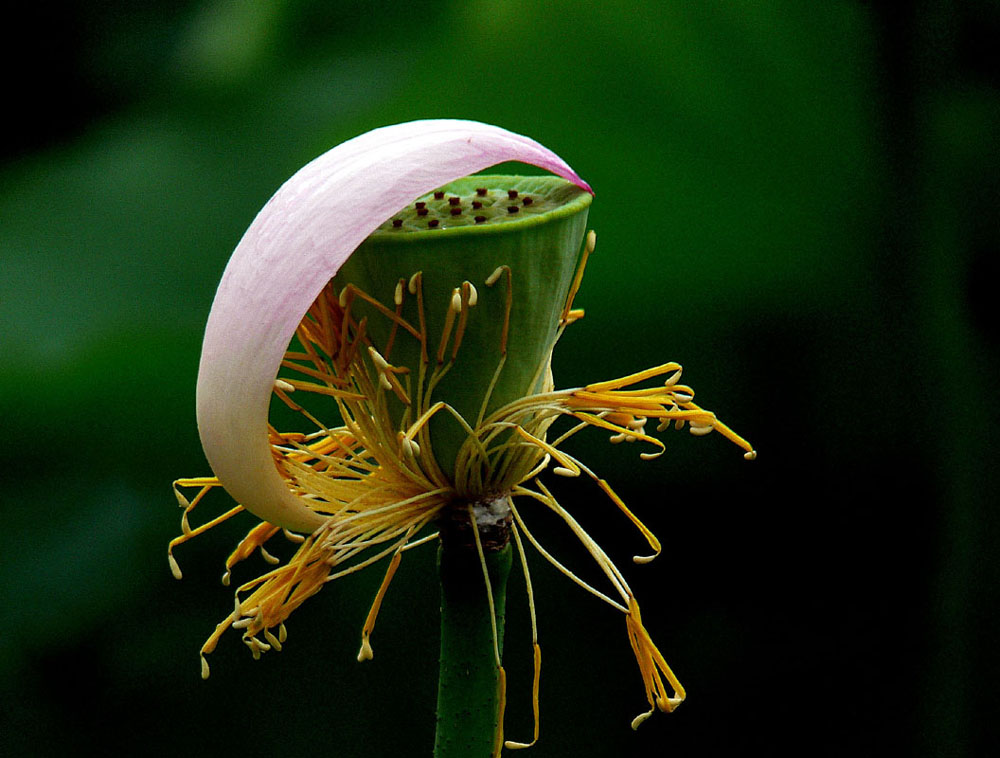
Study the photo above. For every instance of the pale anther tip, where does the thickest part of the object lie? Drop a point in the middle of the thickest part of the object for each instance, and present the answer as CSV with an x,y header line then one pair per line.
x,y
750,456
365,653
342,300
175,568
397,297
473,295
281,384
412,284
643,559
456,300
640,718
563,471
492,278
204,668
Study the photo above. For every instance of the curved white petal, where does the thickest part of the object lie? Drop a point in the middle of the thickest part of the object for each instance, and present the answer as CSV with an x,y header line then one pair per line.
x,y
295,245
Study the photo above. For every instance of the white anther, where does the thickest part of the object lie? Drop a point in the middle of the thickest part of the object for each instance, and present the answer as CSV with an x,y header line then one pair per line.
x,y
175,569
650,456
637,423
616,439
473,295
281,384
225,579
492,278
673,379
238,610
682,398
591,241
268,557
640,718
204,668
630,438
383,380
272,640
679,424
397,297
699,430
663,425
377,358
563,471
242,623
282,633
412,284
751,456
456,300
343,297
293,537
365,653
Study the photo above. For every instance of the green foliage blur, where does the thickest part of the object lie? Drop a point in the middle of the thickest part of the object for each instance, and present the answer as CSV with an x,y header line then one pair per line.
x,y
797,201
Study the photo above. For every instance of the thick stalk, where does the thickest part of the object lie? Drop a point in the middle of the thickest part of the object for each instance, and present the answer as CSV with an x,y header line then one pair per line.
x,y
468,687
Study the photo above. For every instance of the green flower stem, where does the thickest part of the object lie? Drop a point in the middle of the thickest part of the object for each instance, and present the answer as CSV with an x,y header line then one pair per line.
x,y
468,687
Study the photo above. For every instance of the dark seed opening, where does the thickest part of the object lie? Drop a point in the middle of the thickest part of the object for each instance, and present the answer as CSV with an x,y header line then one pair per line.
x,y
511,194
527,201
397,222
421,211
512,209
456,211
481,191
433,223
418,206
480,219
454,200
476,204
438,195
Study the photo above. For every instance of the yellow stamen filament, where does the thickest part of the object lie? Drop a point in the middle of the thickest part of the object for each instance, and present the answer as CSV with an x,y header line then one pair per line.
x,y
588,248
536,649
508,303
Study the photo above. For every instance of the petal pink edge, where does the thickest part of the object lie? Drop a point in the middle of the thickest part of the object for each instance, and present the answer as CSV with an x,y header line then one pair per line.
x,y
297,242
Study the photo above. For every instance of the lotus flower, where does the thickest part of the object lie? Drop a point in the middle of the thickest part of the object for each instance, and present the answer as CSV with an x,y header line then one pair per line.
x,y
372,272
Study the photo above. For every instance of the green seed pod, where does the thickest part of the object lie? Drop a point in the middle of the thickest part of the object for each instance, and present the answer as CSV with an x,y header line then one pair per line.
x,y
481,269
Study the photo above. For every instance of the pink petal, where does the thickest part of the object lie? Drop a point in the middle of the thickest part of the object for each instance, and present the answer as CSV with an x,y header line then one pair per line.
x,y
295,245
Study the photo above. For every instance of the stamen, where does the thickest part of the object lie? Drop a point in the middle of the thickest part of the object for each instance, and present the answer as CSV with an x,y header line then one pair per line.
x,y
366,653
284,386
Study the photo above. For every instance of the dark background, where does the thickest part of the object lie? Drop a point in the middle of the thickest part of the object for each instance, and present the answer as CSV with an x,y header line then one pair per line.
x,y
797,201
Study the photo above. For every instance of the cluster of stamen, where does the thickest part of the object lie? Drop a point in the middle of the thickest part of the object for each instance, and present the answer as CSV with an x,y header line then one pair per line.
x,y
379,485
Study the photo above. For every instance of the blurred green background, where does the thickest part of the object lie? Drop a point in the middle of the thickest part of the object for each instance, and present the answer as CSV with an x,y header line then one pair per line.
x,y
797,201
